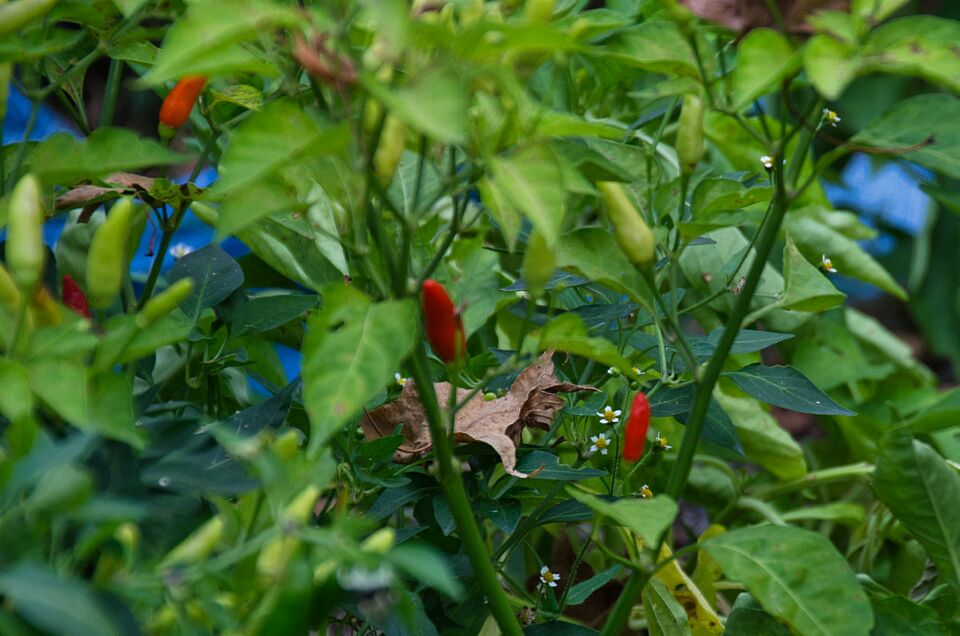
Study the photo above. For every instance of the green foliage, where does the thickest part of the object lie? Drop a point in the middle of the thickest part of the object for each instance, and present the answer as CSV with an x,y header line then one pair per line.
x,y
172,476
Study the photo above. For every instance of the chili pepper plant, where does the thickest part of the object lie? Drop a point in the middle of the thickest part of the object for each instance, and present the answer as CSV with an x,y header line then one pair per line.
x,y
517,317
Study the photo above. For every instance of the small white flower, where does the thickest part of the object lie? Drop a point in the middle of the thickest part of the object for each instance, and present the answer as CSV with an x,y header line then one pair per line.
x,y
402,381
637,371
180,250
662,443
831,118
767,162
609,416
826,264
549,577
613,371
645,492
600,443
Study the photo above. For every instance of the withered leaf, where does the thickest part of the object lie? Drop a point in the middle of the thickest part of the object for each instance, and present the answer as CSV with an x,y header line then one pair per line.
x,y
531,401
744,15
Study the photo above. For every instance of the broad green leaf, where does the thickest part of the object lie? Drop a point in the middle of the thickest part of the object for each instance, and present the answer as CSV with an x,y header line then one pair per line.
x,y
944,413
762,438
567,333
931,121
276,148
352,349
646,517
126,342
765,58
264,313
747,341
34,44
594,253
796,575
427,565
815,238
242,95
55,603
665,616
581,591
876,11
474,281
747,618
923,492
16,401
654,46
717,194
678,402
830,64
63,159
531,181
897,616
208,39
827,350
433,104
917,45
870,331
543,465
785,387
215,276
805,287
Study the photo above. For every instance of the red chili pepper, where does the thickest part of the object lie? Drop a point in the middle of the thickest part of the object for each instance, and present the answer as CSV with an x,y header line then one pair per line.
x,y
74,298
635,431
442,322
178,104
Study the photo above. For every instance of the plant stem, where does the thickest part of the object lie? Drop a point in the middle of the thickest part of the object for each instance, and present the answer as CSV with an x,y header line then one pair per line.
x,y
110,93
22,148
812,480
448,476
681,469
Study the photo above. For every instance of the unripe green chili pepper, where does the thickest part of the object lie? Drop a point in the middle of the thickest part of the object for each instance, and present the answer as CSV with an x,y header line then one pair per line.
x,y
690,134
539,263
390,149
198,545
379,542
274,556
25,251
633,235
163,303
22,12
105,260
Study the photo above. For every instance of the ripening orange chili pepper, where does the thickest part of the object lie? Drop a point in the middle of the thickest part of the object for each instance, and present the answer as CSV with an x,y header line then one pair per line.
x,y
635,431
73,296
442,322
178,104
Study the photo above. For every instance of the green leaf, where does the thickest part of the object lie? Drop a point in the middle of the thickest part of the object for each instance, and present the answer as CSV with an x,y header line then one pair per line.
x,y
543,465
654,46
593,253
764,59
797,576
896,616
830,64
63,159
805,288
785,387
54,603
933,118
840,511
424,563
269,157
665,615
944,413
762,438
747,618
352,349
870,331
815,238
16,400
923,492
646,517
264,313
828,351
208,40
433,104
582,590
678,402
242,95
747,341
531,181
215,276
919,46
567,333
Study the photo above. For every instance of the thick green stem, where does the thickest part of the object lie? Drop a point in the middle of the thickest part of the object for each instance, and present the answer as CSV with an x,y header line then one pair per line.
x,y
681,469
110,93
448,475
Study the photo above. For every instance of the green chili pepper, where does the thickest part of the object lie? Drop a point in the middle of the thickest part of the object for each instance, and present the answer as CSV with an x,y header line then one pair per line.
x,y
163,303
539,263
25,251
690,134
389,150
106,258
632,233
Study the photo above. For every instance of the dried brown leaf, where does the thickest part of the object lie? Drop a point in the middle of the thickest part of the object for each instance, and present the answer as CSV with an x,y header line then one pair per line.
x,y
531,401
744,15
